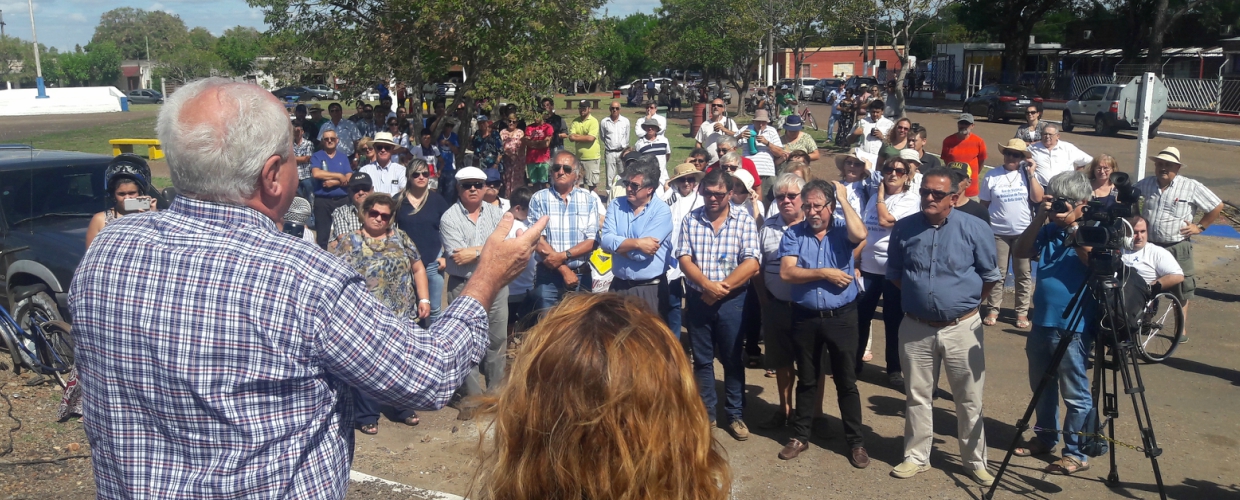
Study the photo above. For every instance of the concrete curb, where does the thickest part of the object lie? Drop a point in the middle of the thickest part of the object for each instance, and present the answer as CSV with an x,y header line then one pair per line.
x,y
361,477
1169,135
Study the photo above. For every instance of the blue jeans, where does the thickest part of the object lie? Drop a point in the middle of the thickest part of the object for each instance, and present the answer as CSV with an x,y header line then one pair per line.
x,y
715,331
675,313
835,117
434,286
1071,381
549,286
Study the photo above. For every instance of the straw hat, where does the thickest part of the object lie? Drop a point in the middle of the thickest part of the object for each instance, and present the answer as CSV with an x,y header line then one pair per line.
x,y
840,159
761,116
686,170
1017,145
385,138
1170,154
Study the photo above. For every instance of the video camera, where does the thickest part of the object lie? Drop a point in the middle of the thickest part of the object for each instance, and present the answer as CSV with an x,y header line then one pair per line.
x,y
1105,228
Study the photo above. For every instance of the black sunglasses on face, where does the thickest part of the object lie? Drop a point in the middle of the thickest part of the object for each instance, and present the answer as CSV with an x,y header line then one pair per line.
x,y
899,171
936,194
633,186
383,147
420,173
470,186
713,194
568,169
330,139
787,196
381,215
494,184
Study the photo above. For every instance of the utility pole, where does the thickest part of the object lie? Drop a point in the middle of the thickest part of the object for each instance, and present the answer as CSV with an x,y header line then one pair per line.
x,y
38,68
1,24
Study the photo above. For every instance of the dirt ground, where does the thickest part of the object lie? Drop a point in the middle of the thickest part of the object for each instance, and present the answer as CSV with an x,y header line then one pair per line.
x,y
1193,400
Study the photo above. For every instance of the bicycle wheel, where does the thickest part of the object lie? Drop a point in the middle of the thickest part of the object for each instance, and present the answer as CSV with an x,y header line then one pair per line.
x,y
1162,325
810,119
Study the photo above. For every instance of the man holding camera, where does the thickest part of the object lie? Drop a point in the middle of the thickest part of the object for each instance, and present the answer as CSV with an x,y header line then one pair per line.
x,y
1063,267
1170,201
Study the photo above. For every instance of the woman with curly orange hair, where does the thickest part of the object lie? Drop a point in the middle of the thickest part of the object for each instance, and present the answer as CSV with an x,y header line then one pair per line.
x,y
601,404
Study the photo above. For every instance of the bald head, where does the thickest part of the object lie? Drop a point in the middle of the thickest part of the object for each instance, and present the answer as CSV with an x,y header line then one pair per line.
x,y
219,134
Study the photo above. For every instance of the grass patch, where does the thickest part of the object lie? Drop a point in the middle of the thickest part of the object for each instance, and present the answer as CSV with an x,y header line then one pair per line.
x,y
95,139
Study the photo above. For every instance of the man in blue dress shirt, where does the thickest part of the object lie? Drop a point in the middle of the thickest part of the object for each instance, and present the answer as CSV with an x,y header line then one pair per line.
x,y
944,264
637,232
815,256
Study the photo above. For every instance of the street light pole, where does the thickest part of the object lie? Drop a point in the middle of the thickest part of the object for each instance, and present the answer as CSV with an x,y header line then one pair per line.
x,y
38,69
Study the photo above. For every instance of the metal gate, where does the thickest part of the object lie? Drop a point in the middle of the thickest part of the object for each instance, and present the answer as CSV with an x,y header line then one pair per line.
x,y
974,80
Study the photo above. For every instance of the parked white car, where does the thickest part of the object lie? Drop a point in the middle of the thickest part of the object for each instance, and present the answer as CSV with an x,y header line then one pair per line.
x,y
1110,107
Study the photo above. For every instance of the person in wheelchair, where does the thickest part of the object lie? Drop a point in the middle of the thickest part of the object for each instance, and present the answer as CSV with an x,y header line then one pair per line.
x,y
1153,263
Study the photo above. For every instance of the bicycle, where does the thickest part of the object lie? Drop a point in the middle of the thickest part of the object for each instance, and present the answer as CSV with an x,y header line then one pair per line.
x,y
1161,328
807,117
45,346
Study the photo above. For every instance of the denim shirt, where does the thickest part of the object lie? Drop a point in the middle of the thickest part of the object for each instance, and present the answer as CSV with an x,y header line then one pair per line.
x,y
941,269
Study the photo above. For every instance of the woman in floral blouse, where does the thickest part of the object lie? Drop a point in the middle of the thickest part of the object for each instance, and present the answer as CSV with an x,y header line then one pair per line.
x,y
393,269
514,154
488,145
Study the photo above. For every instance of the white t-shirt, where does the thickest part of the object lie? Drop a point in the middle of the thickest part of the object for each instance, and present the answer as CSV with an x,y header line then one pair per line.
x,y
1008,194
868,143
874,254
856,193
524,281
390,180
709,137
680,210
1151,262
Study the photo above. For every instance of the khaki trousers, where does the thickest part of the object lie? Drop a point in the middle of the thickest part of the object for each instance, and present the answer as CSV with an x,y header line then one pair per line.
x,y
958,349
1021,274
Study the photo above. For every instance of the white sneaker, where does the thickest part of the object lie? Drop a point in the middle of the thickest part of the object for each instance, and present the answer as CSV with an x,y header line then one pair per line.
x,y
982,476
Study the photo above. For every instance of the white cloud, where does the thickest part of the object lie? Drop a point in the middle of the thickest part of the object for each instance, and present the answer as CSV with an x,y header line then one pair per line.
x,y
77,16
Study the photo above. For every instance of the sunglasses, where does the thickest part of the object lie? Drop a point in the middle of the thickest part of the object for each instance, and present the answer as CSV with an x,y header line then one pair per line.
x,y
787,196
568,169
936,194
732,168
851,164
687,180
614,108
366,149
330,139
696,160
383,148
470,186
383,216
420,173
715,194
1031,112
813,208
724,151
494,184
361,189
898,171
633,186
716,105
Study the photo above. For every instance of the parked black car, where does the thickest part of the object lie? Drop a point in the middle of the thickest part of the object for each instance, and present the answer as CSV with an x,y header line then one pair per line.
x,y
299,93
1002,101
855,82
145,96
823,88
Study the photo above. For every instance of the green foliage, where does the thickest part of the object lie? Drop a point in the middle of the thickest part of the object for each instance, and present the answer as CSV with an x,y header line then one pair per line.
x,y
202,39
132,29
186,64
98,64
238,47
17,57
624,44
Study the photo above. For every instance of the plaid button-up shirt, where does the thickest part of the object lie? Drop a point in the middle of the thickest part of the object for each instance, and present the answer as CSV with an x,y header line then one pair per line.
x,y
718,254
215,355
570,223
1167,211
303,148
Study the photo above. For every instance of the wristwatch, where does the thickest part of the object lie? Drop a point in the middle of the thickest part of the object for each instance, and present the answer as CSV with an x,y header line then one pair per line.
x,y
568,254
424,301
1201,227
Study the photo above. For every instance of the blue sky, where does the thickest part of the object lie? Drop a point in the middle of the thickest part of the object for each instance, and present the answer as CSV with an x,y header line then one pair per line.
x,y
64,23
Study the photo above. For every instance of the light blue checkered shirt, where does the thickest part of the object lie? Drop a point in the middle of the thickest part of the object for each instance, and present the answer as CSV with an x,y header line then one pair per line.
x,y
571,221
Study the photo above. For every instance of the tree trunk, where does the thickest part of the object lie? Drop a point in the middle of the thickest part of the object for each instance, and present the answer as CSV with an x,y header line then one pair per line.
x,y
1015,49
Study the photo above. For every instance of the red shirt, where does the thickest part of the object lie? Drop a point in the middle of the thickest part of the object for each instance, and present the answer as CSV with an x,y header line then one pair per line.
x,y
538,132
971,150
748,166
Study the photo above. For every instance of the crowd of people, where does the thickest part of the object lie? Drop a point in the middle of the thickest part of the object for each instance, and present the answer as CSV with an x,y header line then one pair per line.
x,y
739,250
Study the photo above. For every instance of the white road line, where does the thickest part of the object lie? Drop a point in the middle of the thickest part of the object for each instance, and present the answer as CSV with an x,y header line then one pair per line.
x,y
362,477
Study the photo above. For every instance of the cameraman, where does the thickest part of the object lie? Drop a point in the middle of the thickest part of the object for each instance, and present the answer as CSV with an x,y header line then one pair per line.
x,y
1153,263
1063,267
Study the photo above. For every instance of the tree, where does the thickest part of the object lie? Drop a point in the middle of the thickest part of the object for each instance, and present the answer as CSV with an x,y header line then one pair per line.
x,y
96,64
238,47
624,44
202,39
1010,22
187,64
693,32
133,29
795,25
900,21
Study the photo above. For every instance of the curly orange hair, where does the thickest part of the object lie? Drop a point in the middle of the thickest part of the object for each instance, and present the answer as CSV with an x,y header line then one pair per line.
x,y
601,404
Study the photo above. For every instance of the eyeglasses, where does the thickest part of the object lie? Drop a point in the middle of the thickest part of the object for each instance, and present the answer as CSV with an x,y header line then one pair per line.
x,y
687,180
696,160
494,184
936,194
716,105
383,216
715,194
614,108
787,196
361,189
420,173
330,139
383,147
633,186
852,164
724,151
898,171
732,168
470,186
1031,112
812,208
366,149
568,169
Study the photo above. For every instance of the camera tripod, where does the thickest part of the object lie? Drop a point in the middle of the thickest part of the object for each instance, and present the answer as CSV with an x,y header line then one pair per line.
x,y
1115,351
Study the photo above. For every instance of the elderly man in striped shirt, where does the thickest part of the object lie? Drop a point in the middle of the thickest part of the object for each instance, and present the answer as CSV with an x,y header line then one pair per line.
x,y
718,254
225,374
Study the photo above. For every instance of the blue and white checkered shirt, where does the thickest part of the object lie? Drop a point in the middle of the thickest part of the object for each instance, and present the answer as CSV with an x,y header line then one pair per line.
x,y
570,223
215,355
718,254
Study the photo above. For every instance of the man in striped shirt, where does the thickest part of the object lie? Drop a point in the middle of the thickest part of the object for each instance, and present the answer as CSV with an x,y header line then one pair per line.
x,y
718,253
1170,203
653,143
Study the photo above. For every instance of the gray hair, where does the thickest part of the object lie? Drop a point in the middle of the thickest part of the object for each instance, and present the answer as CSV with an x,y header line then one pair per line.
x,y
648,168
820,186
788,180
732,158
1050,126
565,152
731,141
1071,185
219,156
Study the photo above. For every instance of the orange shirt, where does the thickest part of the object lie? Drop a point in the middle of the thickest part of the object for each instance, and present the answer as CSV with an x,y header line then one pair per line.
x,y
971,150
